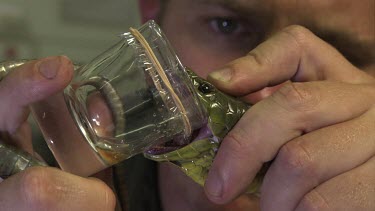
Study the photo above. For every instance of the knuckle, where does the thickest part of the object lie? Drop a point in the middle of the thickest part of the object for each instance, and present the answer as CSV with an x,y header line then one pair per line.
x,y
30,90
299,33
237,72
236,68
258,59
36,188
297,97
23,91
236,143
240,77
294,159
313,201
110,198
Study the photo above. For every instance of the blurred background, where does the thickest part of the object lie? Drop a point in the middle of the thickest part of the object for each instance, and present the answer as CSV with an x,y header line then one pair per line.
x,y
79,29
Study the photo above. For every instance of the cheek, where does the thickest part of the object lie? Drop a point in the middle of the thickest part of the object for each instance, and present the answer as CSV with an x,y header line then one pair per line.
x,y
201,58
201,61
189,52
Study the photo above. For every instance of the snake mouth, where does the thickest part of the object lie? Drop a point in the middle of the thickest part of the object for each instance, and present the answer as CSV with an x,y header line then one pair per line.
x,y
180,141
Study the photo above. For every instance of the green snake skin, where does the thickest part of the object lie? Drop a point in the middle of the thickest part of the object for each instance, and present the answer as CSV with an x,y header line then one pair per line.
x,y
223,111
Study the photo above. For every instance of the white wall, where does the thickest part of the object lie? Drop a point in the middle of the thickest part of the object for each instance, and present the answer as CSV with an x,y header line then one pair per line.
x,y
38,28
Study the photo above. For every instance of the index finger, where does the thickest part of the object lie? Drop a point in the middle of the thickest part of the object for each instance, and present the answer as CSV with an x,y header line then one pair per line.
x,y
294,54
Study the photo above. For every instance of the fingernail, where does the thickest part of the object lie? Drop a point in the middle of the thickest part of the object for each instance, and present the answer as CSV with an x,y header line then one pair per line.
x,y
214,184
49,67
223,75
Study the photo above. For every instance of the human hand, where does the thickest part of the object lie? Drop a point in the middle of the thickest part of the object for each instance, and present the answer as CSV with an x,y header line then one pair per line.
x,y
42,188
318,128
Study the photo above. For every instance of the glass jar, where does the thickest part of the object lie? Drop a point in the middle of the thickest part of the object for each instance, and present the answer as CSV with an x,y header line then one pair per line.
x,y
133,96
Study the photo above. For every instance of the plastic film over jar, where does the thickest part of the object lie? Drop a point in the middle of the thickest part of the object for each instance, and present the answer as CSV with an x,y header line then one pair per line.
x,y
121,105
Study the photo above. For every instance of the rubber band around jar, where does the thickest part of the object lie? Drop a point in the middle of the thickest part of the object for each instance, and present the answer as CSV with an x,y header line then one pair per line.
x,y
150,54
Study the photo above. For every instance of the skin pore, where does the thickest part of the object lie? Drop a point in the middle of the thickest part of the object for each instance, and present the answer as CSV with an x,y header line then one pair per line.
x,y
207,34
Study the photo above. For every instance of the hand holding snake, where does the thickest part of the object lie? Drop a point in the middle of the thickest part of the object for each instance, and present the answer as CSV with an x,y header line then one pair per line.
x,y
318,128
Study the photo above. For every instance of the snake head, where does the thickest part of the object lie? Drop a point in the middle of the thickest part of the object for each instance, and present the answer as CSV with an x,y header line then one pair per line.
x,y
223,110
195,156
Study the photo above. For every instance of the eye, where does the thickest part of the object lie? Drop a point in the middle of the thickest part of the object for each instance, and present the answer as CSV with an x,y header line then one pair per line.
x,y
225,25
205,88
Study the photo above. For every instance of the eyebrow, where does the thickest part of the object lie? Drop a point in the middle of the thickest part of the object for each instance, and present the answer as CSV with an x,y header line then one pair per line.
x,y
359,53
236,5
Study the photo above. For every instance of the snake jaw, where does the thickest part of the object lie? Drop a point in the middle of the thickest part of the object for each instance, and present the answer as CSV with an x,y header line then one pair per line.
x,y
180,142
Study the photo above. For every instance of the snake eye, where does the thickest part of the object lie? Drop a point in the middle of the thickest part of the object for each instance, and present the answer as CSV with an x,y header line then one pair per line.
x,y
205,88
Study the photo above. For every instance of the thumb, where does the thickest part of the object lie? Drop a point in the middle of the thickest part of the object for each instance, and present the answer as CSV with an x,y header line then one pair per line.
x,y
44,188
30,83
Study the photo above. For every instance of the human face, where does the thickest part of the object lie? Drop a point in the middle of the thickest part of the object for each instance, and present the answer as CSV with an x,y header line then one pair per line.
x,y
209,33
